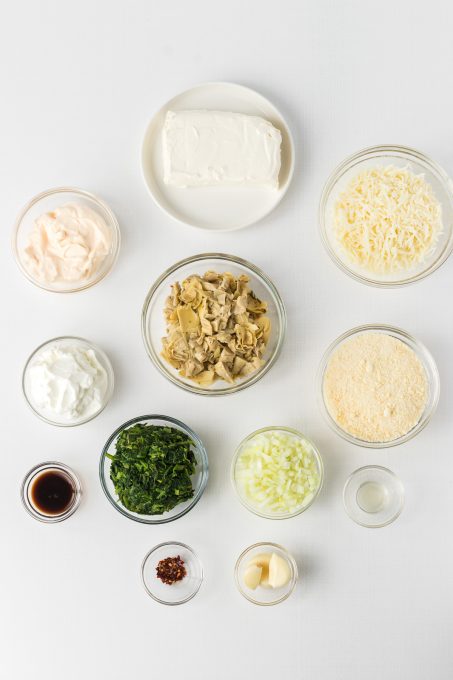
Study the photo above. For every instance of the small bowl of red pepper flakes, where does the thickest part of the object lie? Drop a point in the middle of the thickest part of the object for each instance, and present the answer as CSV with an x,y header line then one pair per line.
x,y
172,573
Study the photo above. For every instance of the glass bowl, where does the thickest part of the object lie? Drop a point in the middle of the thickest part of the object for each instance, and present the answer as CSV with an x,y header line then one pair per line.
x,y
63,342
423,355
154,326
262,596
373,496
33,474
181,591
237,486
402,157
199,479
50,200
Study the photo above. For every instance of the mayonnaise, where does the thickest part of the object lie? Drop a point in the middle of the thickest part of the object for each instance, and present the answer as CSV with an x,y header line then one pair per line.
x,y
66,382
69,243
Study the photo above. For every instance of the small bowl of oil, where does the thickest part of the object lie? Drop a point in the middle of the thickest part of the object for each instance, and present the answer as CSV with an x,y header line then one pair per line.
x,y
373,496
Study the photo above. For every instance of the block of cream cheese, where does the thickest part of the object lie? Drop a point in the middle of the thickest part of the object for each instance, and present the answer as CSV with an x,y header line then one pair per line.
x,y
217,148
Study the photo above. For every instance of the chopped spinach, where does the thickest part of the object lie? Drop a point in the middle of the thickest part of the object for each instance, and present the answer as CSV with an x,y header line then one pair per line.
x,y
152,467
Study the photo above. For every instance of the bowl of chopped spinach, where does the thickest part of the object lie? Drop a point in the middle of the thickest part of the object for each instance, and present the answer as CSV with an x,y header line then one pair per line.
x,y
153,469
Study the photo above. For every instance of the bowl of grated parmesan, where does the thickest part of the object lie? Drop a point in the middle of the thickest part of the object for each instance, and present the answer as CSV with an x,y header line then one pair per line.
x,y
386,216
378,386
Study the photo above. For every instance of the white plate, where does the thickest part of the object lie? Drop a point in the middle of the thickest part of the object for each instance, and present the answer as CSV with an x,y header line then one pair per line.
x,y
217,209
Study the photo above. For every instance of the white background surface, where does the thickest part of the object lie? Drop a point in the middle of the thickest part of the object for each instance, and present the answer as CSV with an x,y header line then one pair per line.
x,y
79,82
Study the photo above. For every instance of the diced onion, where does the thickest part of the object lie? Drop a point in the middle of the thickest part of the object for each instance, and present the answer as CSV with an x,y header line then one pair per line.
x,y
277,472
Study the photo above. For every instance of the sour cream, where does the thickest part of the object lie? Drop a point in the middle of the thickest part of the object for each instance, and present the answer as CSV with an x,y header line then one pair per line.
x,y
68,244
65,382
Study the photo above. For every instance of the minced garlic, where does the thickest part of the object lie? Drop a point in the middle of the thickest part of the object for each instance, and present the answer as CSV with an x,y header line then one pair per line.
x,y
387,219
375,387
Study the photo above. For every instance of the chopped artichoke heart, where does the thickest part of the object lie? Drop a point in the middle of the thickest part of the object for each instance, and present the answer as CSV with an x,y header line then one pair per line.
x,y
188,319
216,328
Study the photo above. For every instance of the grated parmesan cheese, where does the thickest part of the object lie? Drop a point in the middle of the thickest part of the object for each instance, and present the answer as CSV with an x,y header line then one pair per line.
x,y
387,219
375,387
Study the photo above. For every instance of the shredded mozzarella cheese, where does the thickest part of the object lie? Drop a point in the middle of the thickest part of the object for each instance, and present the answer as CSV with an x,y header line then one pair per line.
x,y
387,219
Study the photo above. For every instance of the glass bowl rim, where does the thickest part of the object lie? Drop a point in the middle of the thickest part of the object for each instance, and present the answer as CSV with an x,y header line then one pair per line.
x,y
291,561
390,473
163,545
299,435
113,224
106,365
31,474
422,353
254,377
204,469
376,152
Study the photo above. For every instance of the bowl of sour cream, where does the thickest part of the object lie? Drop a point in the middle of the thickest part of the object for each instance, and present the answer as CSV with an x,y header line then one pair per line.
x,y
66,240
67,381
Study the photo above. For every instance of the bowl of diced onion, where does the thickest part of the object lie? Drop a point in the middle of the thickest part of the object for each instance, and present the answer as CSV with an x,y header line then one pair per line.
x,y
277,472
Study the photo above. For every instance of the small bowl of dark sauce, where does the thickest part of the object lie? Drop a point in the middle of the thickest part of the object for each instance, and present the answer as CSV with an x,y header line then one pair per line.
x,y
51,492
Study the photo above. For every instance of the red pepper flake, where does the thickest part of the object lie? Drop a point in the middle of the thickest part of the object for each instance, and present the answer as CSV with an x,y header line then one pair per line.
x,y
170,570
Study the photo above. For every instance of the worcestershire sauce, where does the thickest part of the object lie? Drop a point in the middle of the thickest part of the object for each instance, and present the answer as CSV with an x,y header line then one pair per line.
x,y
52,492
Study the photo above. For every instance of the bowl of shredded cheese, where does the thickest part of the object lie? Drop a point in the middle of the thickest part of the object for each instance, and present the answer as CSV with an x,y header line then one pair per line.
x,y
378,386
386,216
